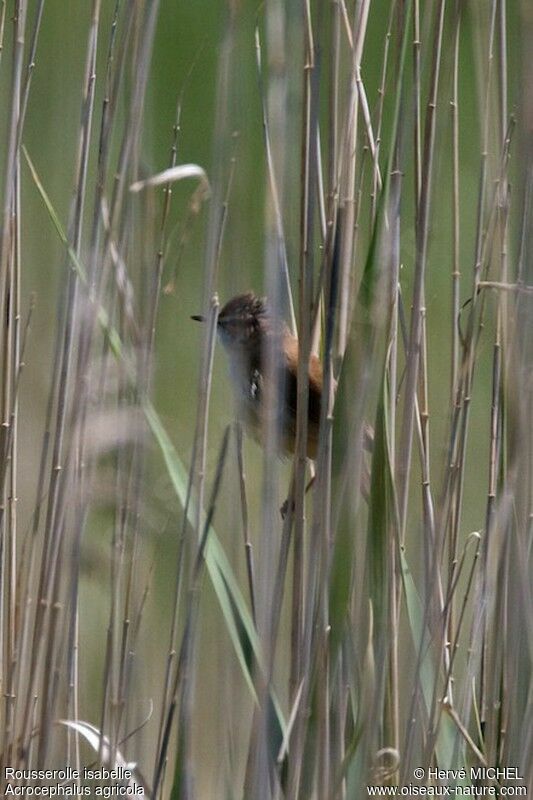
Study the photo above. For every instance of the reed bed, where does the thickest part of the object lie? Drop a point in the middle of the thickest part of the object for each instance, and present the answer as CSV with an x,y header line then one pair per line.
x,y
371,173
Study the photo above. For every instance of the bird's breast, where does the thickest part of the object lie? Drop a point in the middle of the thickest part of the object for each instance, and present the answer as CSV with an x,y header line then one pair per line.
x,y
264,417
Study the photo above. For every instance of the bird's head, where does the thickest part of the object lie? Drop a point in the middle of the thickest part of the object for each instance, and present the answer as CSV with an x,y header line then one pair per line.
x,y
242,320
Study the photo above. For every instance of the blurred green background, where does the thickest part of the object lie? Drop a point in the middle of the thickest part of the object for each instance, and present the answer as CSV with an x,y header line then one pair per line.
x,y
186,59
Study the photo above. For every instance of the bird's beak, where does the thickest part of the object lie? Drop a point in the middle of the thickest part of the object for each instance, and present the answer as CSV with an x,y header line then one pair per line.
x,y
198,318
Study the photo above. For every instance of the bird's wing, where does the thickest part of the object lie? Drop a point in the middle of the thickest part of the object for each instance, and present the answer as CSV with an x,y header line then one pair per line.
x,y
315,380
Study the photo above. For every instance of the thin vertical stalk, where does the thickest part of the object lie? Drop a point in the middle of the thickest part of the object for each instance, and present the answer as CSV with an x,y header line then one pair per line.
x,y
248,547
308,166
417,138
412,367
2,26
456,209
381,104
10,255
19,29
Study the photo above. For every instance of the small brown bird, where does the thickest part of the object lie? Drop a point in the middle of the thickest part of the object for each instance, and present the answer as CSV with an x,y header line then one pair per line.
x,y
249,331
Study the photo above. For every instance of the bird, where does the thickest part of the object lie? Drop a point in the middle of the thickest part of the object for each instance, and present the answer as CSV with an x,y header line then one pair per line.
x,y
251,333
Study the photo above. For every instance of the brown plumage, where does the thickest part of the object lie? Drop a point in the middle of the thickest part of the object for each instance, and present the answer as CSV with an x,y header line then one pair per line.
x,y
249,331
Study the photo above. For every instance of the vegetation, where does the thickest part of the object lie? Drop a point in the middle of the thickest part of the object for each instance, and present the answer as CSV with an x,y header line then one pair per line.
x,y
367,166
